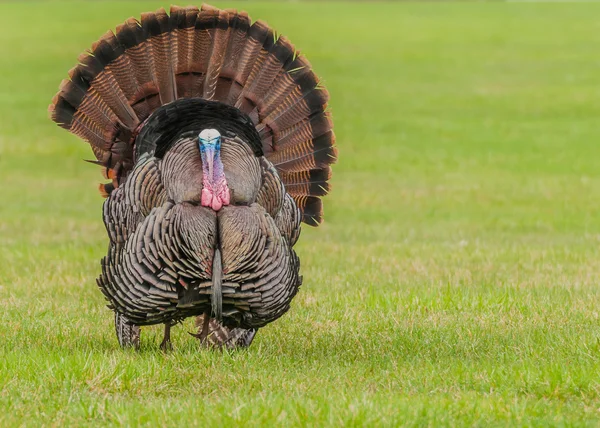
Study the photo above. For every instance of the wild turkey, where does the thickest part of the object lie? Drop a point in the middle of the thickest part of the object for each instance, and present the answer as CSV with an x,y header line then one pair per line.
x,y
216,139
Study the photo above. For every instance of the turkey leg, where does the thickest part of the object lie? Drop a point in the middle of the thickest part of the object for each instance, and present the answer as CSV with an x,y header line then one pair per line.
x,y
204,332
165,345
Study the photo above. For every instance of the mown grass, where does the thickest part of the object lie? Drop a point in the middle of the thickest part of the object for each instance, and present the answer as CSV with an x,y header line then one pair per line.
x,y
455,281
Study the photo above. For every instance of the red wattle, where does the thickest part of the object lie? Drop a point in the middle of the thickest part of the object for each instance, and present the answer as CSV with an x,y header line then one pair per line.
x,y
215,200
206,198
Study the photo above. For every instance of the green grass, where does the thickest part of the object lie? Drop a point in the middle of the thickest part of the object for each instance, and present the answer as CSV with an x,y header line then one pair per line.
x,y
455,281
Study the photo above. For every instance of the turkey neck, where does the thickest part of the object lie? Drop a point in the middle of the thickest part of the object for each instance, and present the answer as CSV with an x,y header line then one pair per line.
x,y
215,193
211,158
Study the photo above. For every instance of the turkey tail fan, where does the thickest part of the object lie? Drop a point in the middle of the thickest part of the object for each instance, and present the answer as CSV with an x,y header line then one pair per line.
x,y
217,55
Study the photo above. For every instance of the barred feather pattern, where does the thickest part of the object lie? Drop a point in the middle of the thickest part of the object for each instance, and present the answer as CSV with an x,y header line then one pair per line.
x,y
162,243
220,336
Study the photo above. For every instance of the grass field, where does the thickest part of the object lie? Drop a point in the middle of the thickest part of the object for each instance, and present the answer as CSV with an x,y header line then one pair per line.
x,y
455,281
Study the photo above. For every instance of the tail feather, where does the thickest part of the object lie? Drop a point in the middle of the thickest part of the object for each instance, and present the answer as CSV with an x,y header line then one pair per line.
x,y
157,27
95,108
306,183
297,106
307,129
106,83
123,71
218,50
68,117
140,57
285,84
239,26
106,94
311,208
262,77
317,153
213,54
132,69
258,33
183,21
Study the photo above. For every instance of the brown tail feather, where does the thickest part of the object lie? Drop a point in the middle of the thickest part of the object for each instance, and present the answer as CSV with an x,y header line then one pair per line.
x,y
313,182
263,74
306,130
239,26
317,153
208,53
157,26
257,34
218,50
285,84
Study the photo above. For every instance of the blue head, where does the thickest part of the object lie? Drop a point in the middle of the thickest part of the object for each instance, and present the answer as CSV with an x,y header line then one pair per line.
x,y
210,139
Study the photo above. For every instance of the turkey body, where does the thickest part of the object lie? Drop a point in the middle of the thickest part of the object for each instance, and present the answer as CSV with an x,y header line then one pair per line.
x,y
159,267
216,139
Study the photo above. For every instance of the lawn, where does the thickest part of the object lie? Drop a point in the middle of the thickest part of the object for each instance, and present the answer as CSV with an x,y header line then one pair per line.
x,y
454,282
